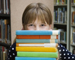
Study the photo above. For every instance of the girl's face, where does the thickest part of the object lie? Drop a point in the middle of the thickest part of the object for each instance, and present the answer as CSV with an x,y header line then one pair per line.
x,y
38,25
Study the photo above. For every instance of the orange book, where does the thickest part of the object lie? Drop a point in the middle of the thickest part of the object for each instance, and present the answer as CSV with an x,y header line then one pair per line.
x,y
37,36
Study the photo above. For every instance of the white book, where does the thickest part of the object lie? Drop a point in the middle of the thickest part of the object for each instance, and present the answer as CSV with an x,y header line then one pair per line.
x,y
42,45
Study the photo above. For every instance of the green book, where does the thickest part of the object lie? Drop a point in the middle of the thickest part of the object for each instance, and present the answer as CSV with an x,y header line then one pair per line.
x,y
38,54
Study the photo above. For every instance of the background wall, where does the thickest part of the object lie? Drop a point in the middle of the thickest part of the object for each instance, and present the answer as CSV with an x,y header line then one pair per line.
x,y
16,9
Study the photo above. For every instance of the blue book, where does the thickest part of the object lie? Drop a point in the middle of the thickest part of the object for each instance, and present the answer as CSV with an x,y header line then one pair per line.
x,y
33,58
35,41
37,32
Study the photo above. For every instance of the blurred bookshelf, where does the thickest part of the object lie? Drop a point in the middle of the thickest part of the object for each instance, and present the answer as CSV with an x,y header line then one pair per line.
x,y
5,28
61,5
72,35
69,26
63,42
4,16
60,19
60,23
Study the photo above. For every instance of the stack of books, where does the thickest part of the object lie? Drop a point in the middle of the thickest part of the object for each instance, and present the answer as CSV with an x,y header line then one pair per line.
x,y
37,45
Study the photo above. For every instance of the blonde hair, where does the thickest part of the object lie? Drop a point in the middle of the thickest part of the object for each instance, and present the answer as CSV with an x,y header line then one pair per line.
x,y
36,10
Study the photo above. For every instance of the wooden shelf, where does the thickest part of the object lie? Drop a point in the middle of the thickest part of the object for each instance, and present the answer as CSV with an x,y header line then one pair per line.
x,y
73,25
73,45
73,5
60,23
3,16
63,42
65,5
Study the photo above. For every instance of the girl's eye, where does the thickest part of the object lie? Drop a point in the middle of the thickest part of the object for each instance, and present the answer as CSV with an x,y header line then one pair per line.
x,y
42,24
31,25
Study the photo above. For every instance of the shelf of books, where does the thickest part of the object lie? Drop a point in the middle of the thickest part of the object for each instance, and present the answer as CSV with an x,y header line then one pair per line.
x,y
65,5
60,19
60,23
6,16
5,32
72,44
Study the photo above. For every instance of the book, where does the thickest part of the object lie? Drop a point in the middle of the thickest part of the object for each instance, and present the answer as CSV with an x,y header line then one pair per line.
x,y
63,36
6,29
57,2
72,1
2,30
60,18
8,35
72,32
1,53
37,32
33,58
63,14
36,41
4,55
56,16
62,1
37,49
37,44
73,38
58,10
60,15
73,51
0,7
36,36
4,8
38,54
73,17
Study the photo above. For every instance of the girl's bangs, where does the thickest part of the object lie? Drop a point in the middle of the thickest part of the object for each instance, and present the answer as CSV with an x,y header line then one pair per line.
x,y
39,14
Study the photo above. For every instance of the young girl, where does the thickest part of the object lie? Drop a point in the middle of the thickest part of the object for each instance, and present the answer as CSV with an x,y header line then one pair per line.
x,y
37,16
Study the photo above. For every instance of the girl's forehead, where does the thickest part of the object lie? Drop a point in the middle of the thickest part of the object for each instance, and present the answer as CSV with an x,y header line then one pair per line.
x,y
38,21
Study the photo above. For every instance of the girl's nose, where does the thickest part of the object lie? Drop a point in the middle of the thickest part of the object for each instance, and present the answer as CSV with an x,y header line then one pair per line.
x,y
37,28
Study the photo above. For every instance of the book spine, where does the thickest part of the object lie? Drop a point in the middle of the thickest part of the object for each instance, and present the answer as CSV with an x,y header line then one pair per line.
x,y
32,32
7,6
37,49
62,1
74,18
0,7
3,55
38,54
4,7
56,16
36,41
36,36
74,37
57,2
33,58
37,44
65,17
74,2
